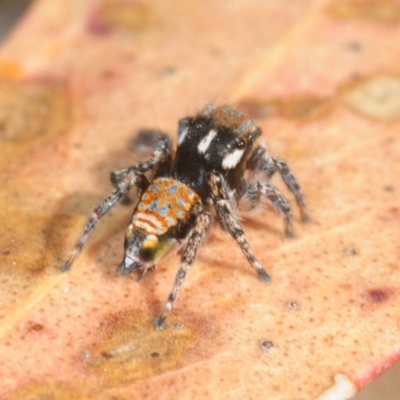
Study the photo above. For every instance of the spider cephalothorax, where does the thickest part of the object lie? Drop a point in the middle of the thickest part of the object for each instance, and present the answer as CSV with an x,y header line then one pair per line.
x,y
209,169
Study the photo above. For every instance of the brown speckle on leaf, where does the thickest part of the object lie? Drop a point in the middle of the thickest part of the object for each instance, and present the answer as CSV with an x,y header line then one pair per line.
x,y
266,345
294,305
351,251
378,295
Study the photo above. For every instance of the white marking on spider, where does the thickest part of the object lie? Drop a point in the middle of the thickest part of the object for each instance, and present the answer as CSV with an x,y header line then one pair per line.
x,y
206,141
182,136
231,160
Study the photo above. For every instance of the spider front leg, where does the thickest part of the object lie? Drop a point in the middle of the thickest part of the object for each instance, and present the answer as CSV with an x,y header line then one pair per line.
x,y
162,154
251,196
261,161
126,180
220,198
196,237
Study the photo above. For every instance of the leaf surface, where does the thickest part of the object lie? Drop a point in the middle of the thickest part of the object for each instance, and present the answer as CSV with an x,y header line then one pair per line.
x,y
78,79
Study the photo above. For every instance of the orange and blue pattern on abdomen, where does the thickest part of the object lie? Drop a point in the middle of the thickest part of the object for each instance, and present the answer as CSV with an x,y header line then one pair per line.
x,y
165,204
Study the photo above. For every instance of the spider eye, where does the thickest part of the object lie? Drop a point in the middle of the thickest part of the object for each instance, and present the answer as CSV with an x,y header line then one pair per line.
x,y
240,144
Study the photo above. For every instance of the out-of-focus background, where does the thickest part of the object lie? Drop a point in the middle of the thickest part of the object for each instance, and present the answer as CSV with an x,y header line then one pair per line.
x,y
10,11
387,387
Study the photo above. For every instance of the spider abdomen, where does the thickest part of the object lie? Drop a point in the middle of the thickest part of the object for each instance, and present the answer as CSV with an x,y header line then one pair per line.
x,y
164,215
166,204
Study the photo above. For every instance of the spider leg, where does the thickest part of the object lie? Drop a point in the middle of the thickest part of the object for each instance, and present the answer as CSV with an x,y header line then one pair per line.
x,y
272,193
261,161
196,237
162,150
133,176
220,198
144,272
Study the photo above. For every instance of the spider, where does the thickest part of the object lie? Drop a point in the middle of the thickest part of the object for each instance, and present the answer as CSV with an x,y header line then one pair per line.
x,y
214,166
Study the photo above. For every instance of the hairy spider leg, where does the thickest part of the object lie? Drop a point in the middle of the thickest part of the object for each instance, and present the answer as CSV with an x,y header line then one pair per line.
x,y
196,237
133,176
220,198
261,161
162,149
275,196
